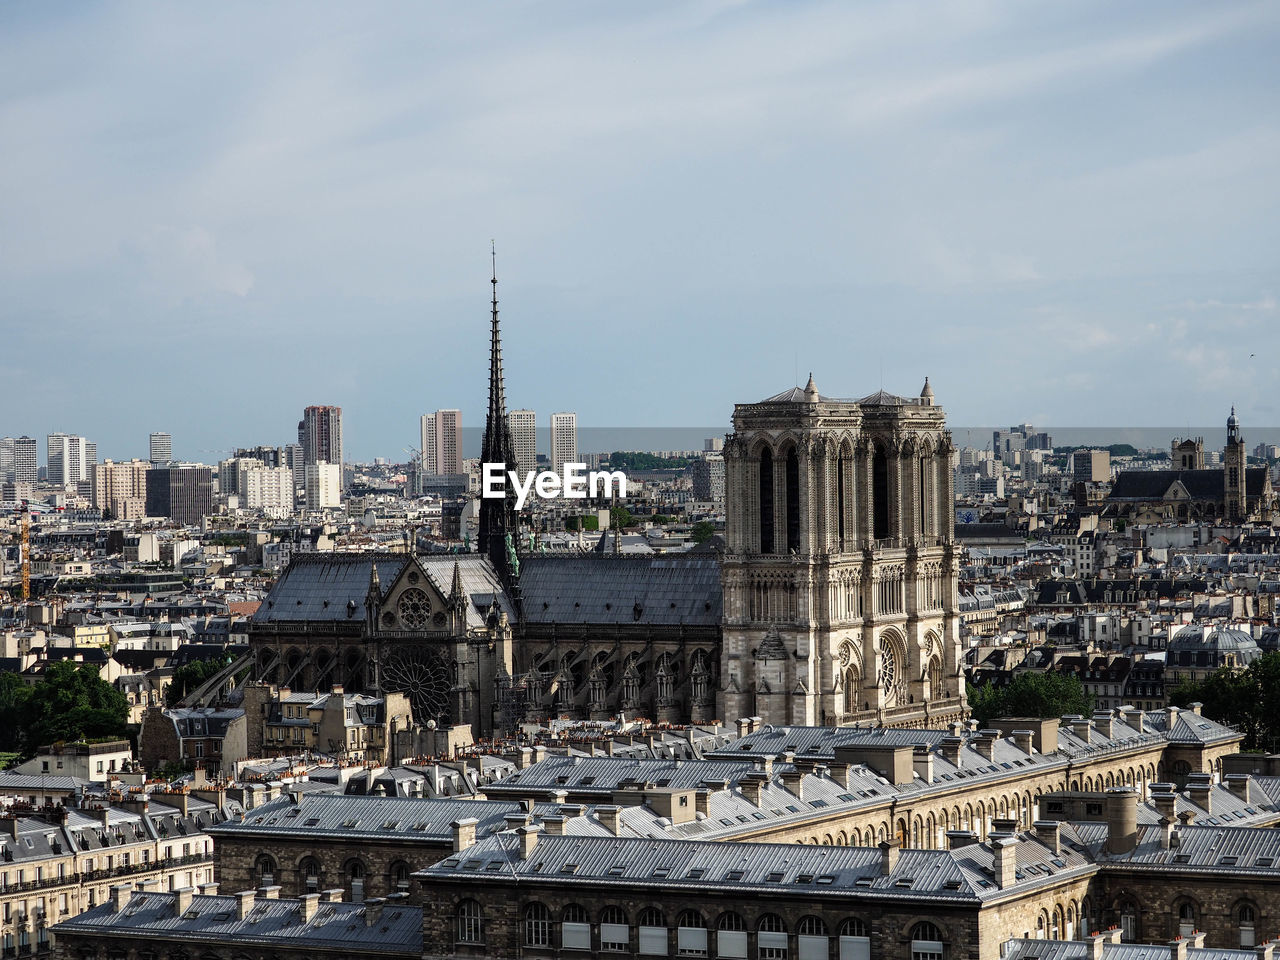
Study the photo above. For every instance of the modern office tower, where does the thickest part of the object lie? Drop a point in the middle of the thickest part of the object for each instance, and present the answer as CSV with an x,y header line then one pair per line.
x,y
1093,466
449,441
427,440
708,478
321,434
70,459
183,492
324,485
524,438
564,440
440,434
269,489
161,449
26,461
121,488
294,460
269,456
6,459
232,473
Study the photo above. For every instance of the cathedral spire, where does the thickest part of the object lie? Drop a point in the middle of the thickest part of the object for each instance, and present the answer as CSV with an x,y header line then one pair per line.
x,y
498,533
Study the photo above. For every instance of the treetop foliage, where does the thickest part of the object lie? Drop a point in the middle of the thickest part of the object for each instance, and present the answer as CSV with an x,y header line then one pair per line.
x,y
1030,695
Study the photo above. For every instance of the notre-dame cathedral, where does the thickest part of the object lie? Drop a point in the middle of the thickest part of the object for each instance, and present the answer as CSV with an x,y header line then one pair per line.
x,y
840,565
834,601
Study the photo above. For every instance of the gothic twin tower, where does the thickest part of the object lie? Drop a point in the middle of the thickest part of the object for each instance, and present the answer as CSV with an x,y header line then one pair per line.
x,y
840,566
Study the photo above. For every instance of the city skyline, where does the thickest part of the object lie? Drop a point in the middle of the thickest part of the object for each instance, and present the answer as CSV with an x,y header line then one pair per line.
x,y
1077,197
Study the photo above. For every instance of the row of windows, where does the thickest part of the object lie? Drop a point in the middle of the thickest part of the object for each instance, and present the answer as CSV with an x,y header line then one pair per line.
x,y
692,938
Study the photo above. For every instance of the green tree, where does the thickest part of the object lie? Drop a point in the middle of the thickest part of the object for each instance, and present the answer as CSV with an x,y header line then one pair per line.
x,y
72,702
660,519
703,531
1030,695
14,694
189,677
621,517
1248,700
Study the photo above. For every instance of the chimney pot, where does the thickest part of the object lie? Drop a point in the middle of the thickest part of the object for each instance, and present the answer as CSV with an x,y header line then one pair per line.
x,y
1122,820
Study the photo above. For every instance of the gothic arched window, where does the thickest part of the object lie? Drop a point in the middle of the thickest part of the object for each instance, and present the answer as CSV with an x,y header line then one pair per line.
x,y
766,500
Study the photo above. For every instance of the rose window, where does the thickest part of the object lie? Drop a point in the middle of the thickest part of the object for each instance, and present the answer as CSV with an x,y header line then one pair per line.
x,y
414,609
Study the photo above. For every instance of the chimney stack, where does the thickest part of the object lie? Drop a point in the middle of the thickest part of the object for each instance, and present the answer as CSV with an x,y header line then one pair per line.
x,y
610,817
373,911
271,892
1080,727
553,825
888,856
1022,740
464,833
1165,801
922,762
839,772
752,787
960,838
244,903
1003,851
1103,720
793,780
1178,948
1049,833
1122,820
1238,783
1166,833
182,900
120,894
528,840
208,889
1200,791
986,743
951,747
702,801
308,903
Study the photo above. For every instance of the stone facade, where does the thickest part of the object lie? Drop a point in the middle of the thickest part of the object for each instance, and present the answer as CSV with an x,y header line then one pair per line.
x,y
841,565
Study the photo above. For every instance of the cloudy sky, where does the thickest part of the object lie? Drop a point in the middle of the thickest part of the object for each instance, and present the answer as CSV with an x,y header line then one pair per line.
x,y
212,215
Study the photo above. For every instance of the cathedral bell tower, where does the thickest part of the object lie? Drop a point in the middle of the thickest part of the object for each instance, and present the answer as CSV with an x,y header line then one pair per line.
x,y
1233,472
840,566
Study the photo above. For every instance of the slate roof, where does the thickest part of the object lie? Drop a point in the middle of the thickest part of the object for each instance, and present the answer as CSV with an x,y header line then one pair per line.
x,y
667,590
319,586
1234,851
774,870
212,919
479,582
1148,485
1020,949
353,816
